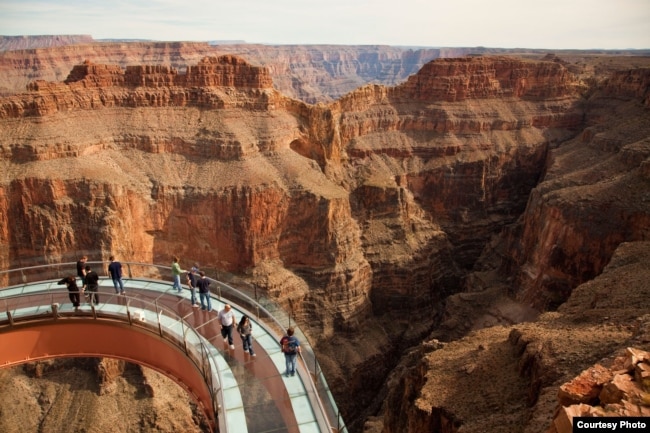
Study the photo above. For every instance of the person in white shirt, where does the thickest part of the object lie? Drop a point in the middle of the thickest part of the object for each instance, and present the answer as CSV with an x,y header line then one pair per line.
x,y
228,322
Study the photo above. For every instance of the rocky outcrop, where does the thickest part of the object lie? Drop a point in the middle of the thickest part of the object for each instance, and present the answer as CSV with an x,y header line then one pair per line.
x,y
64,394
630,83
477,78
621,390
310,73
534,377
91,86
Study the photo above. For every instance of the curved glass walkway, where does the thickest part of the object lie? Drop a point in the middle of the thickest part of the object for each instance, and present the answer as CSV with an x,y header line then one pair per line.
x,y
237,392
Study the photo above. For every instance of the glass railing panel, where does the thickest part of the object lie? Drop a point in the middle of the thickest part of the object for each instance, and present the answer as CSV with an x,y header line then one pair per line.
x,y
260,308
136,284
193,338
268,343
172,325
31,288
232,397
311,427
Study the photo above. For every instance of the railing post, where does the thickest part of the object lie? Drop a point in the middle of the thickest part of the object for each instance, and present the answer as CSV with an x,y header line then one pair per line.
x,y
338,420
290,311
160,330
185,338
128,312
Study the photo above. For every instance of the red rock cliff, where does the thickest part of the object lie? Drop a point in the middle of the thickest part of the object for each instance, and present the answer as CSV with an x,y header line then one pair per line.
x,y
380,202
447,174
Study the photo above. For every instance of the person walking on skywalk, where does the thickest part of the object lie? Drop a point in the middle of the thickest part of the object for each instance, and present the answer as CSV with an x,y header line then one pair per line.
x,y
228,322
291,348
245,329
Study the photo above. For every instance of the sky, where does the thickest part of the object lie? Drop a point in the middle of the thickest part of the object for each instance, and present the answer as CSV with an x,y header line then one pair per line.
x,y
552,24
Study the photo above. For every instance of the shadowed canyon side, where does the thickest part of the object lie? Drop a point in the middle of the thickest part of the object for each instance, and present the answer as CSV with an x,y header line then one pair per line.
x,y
366,216
595,196
587,218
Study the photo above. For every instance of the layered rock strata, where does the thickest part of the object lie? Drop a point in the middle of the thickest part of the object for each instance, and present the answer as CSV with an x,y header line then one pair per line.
x,y
317,73
378,203
595,195
416,151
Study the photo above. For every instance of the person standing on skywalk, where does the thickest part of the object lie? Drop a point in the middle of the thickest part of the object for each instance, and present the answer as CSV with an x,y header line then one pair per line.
x,y
115,270
203,284
92,286
192,277
176,274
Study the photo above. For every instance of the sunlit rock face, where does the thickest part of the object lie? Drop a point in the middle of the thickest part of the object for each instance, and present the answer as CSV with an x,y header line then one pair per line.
x,y
379,198
313,73
383,201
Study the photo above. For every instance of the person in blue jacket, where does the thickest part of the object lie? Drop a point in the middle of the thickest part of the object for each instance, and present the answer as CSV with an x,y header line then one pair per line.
x,y
291,348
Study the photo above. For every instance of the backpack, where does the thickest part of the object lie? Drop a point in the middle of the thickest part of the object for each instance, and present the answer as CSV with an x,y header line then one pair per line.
x,y
288,345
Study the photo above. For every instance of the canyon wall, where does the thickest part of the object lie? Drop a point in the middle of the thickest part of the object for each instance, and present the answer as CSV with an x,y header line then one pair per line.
x,y
372,204
404,178
580,248
533,377
363,217
594,196
313,74
310,73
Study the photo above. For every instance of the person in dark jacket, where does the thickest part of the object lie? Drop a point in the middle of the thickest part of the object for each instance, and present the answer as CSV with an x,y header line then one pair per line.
x,y
192,277
92,285
81,270
115,270
204,292
71,284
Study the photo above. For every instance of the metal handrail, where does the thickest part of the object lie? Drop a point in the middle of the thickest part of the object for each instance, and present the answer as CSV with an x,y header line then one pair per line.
x,y
260,306
198,358
265,317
